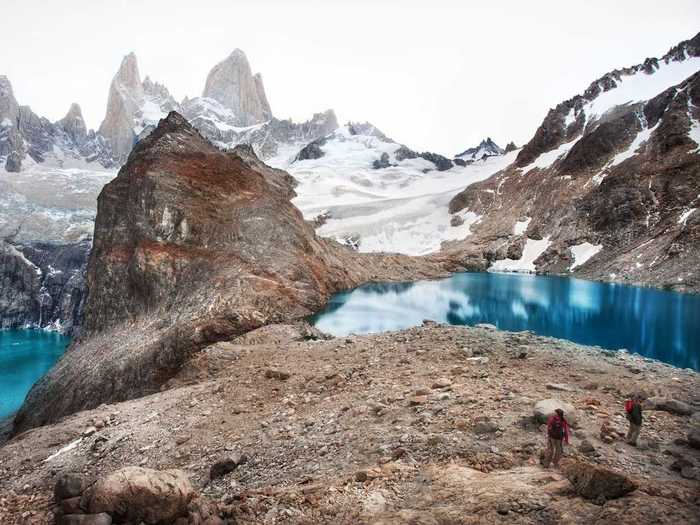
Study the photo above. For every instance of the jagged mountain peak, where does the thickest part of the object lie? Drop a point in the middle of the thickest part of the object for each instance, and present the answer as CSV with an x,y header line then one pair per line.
x,y
232,84
128,74
73,123
8,104
486,148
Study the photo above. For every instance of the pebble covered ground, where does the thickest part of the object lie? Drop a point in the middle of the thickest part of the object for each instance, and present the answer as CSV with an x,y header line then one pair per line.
x,y
428,425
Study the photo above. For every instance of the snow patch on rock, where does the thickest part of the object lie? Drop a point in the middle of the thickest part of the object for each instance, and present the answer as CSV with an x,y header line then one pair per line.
x,y
546,159
582,252
532,250
521,226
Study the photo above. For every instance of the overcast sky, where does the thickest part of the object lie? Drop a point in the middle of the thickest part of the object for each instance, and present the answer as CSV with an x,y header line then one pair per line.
x,y
436,75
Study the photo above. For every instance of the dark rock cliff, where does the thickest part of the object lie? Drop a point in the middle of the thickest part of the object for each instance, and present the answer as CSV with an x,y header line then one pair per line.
x,y
43,285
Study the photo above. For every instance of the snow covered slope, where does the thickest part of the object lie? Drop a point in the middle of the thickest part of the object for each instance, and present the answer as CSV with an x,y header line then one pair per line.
x,y
365,190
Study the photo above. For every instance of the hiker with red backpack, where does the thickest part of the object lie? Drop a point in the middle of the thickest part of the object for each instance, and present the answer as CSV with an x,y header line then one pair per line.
x,y
557,434
633,410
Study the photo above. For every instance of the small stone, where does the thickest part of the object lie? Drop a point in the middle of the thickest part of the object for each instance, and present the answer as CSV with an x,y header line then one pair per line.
x,y
586,447
86,519
442,382
89,431
417,400
361,476
182,438
226,465
694,437
503,508
561,387
276,373
71,505
68,485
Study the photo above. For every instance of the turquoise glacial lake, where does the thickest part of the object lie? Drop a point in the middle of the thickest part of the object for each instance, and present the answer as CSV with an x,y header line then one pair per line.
x,y
654,323
25,356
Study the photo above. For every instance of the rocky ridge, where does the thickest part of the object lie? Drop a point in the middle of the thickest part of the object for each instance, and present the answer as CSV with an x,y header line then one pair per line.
x,y
608,186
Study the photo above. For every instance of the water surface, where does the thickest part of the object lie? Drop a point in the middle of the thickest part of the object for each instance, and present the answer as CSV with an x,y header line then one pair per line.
x,y
655,323
25,356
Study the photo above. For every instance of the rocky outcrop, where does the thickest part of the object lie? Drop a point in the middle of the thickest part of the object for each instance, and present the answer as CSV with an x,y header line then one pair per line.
x,y
232,84
43,285
192,245
612,184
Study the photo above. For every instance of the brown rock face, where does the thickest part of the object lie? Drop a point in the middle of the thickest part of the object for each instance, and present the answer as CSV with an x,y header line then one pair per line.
x,y
192,246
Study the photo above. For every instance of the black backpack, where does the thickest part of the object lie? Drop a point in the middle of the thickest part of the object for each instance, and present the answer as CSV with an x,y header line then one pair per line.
x,y
556,430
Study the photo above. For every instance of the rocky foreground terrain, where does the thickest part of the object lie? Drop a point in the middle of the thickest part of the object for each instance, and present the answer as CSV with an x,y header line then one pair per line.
x,y
432,425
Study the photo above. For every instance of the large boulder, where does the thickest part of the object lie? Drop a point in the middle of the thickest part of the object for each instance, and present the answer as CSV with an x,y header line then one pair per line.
x,y
546,407
595,482
694,437
668,405
135,495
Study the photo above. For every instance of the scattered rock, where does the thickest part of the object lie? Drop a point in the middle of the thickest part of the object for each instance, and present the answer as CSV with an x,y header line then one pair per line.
x,y
85,519
71,506
561,387
276,373
586,447
226,465
442,382
694,437
68,485
595,482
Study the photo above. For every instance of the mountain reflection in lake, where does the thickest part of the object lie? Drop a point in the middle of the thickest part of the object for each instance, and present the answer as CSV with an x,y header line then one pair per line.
x,y
658,324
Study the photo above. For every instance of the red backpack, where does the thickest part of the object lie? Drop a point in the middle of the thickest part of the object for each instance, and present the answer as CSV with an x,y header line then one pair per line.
x,y
629,405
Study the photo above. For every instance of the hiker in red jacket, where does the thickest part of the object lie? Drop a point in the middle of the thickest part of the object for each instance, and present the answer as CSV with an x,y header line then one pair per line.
x,y
633,410
557,434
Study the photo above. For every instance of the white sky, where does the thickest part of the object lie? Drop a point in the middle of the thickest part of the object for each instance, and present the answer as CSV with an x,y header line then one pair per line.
x,y
436,75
